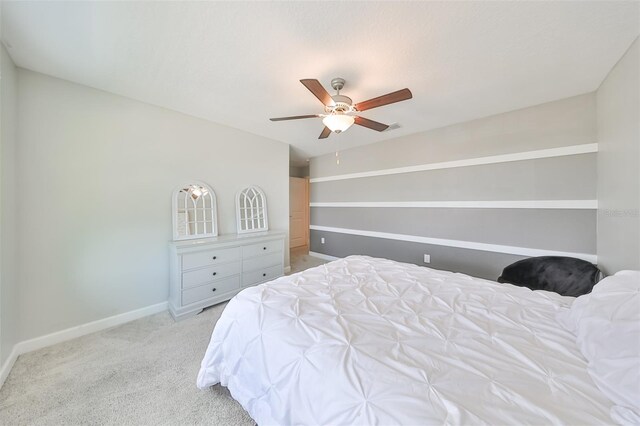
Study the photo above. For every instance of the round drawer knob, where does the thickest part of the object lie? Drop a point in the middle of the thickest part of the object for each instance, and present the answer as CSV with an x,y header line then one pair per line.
x,y
264,275
214,273
264,248
214,289
215,257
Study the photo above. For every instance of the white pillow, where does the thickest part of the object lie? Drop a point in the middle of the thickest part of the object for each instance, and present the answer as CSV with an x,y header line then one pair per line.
x,y
607,326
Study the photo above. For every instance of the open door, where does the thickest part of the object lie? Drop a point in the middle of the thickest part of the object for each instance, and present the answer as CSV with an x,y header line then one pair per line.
x,y
298,212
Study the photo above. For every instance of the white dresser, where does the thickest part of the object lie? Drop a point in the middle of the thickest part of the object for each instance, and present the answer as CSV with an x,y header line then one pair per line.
x,y
212,270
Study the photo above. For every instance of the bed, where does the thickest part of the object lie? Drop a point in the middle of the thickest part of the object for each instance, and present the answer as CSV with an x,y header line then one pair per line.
x,y
370,341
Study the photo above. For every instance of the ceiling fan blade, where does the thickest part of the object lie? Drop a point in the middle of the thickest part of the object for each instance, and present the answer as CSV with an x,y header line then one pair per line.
x,y
390,98
365,122
295,117
325,133
318,91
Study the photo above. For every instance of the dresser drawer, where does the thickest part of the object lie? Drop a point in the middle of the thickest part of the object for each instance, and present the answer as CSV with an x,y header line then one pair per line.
x,y
261,262
262,248
212,273
210,257
207,291
261,275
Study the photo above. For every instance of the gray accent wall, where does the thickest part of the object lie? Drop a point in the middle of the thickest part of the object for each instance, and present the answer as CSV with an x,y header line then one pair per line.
x,y
483,264
571,177
619,165
566,122
551,229
562,123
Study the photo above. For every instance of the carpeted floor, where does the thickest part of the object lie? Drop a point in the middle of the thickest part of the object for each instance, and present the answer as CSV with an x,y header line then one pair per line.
x,y
300,260
140,373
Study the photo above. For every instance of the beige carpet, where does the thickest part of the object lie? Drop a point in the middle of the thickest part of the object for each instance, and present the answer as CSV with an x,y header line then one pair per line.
x,y
140,373
300,260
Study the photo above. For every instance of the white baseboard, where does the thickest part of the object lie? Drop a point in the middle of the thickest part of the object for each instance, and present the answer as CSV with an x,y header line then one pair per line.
x,y
322,256
74,332
88,328
8,365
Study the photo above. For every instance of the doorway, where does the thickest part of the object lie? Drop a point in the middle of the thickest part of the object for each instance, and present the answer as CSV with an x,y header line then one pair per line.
x,y
299,215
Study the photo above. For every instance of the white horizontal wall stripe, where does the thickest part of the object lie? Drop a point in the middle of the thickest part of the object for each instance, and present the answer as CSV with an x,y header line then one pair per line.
x,y
521,251
518,156
524,204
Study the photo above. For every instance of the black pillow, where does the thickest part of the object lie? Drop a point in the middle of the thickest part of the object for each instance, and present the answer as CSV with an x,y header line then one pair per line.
x,y
564,275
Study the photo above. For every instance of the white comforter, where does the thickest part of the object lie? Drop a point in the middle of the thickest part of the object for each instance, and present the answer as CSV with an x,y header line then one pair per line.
x,y
372,341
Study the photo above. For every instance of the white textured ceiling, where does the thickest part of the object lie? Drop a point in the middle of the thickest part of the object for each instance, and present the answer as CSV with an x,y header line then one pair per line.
x,y
239,63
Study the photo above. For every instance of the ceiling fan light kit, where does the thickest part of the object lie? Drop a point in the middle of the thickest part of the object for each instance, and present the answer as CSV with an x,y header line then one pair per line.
x,y
338,123
340,112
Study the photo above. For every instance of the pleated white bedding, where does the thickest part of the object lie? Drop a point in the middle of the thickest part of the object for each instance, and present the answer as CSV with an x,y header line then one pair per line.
x,y
372,341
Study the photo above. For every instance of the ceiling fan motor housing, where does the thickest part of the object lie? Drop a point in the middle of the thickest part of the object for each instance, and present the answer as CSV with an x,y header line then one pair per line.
x,y
343,104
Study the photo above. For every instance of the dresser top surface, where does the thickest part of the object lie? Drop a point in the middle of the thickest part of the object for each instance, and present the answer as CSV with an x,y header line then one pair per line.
x,y
228,238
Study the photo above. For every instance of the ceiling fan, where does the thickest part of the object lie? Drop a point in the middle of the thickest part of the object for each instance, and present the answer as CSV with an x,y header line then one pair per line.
x,y
340,112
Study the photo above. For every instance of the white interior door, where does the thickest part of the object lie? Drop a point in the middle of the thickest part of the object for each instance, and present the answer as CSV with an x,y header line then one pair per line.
x,y
298,212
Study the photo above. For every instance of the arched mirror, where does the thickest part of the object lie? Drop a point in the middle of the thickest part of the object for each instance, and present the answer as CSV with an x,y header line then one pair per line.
x,y
194,212
251,210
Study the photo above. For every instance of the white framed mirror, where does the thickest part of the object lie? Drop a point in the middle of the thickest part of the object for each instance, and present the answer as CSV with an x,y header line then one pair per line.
x,y
251,210
194,212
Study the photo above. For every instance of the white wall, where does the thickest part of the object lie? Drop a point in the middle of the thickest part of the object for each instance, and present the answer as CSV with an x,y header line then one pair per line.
x,y
299,171
96,172
618,101
8,242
